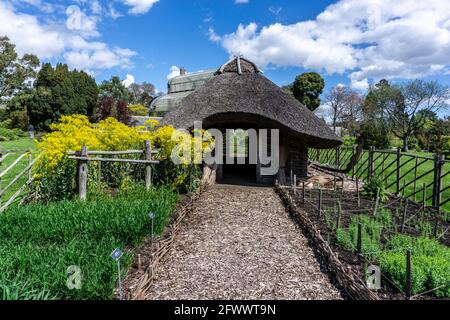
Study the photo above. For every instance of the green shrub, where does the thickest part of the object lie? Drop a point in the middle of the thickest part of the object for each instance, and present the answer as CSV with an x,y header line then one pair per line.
x,y
39,242
376,134
393,264
374,186
11,134
430,263
349,141
344,239
138,110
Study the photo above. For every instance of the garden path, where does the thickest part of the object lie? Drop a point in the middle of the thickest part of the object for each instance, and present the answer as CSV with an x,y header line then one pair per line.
x,y
239,243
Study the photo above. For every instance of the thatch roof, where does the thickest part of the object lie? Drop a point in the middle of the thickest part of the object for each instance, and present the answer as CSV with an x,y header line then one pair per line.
x,y
239,90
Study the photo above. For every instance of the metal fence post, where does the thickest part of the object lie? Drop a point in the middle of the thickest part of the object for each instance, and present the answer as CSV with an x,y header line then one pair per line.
x,y
437,181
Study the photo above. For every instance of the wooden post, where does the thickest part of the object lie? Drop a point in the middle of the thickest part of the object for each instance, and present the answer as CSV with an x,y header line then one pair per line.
x,y
408,279
353,167
83,174
338,157
375,208
1,170
291,177
359,241
415,180
30,160
424,195
437,181
303,192
357,192
397,184
405,211
99,172
370,163
339,215
139,262
148,167
334,181
319,205
295,184
436,224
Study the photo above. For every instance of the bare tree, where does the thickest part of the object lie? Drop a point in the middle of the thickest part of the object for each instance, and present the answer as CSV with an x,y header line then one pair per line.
x,y
352,114
344,106
142,93
416,95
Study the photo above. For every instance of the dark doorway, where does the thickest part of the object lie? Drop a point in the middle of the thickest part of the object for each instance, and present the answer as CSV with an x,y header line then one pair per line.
x,y
241,171
242,174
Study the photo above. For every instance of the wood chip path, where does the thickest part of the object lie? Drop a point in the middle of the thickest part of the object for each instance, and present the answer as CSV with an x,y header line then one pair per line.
x,y
239,243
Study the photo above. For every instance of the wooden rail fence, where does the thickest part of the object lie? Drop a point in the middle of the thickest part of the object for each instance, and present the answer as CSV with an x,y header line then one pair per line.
x,y
83,157
17,178
419,178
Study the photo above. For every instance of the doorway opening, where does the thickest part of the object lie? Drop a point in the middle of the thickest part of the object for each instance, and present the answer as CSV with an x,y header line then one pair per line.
x,y
238,167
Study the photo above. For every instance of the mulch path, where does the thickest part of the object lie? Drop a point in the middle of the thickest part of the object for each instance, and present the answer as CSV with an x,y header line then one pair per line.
x,y
239,243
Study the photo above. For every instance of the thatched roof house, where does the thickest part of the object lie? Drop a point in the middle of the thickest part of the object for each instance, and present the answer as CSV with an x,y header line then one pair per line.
x,y
239,96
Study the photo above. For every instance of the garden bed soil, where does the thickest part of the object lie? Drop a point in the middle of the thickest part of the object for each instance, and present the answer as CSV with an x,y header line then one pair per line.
x,y
348,200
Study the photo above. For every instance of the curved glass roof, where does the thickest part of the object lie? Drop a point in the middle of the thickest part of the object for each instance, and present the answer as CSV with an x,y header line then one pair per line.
x,y
180,87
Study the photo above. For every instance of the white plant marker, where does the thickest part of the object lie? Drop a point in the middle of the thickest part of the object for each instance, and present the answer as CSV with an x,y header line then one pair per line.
x,y
116,255
152,216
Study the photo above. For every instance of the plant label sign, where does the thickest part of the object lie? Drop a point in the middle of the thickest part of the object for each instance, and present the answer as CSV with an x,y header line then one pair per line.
x,y
116,254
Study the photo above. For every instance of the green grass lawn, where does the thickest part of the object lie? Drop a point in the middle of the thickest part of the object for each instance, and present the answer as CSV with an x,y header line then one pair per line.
x,y
387,170
20,146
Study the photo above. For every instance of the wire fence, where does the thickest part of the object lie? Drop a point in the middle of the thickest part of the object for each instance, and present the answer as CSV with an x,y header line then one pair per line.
x,y
419,178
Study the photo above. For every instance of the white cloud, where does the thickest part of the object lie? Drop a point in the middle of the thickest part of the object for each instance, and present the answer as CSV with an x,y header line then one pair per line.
x,y
213,36
139,6
129,80
360,84
60,42
113,13
78,20
28,34
96,7
367,39
174,72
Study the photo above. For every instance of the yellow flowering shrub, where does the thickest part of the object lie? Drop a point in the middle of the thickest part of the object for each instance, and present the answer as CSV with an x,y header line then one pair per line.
x,y
72,132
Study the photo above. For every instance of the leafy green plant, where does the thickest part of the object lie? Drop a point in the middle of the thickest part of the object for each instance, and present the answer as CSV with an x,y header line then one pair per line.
x,y
39,242
430,264
373,187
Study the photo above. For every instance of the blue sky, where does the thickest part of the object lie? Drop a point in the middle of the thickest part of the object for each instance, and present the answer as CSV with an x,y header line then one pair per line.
x,y
352,42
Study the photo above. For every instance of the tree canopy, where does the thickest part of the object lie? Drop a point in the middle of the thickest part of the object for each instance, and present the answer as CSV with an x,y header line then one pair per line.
x,y
14,70
307,89
58,91
115,89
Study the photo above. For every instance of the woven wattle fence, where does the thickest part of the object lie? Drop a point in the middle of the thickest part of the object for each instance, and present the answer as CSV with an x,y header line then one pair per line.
x,y
164,245
346,277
